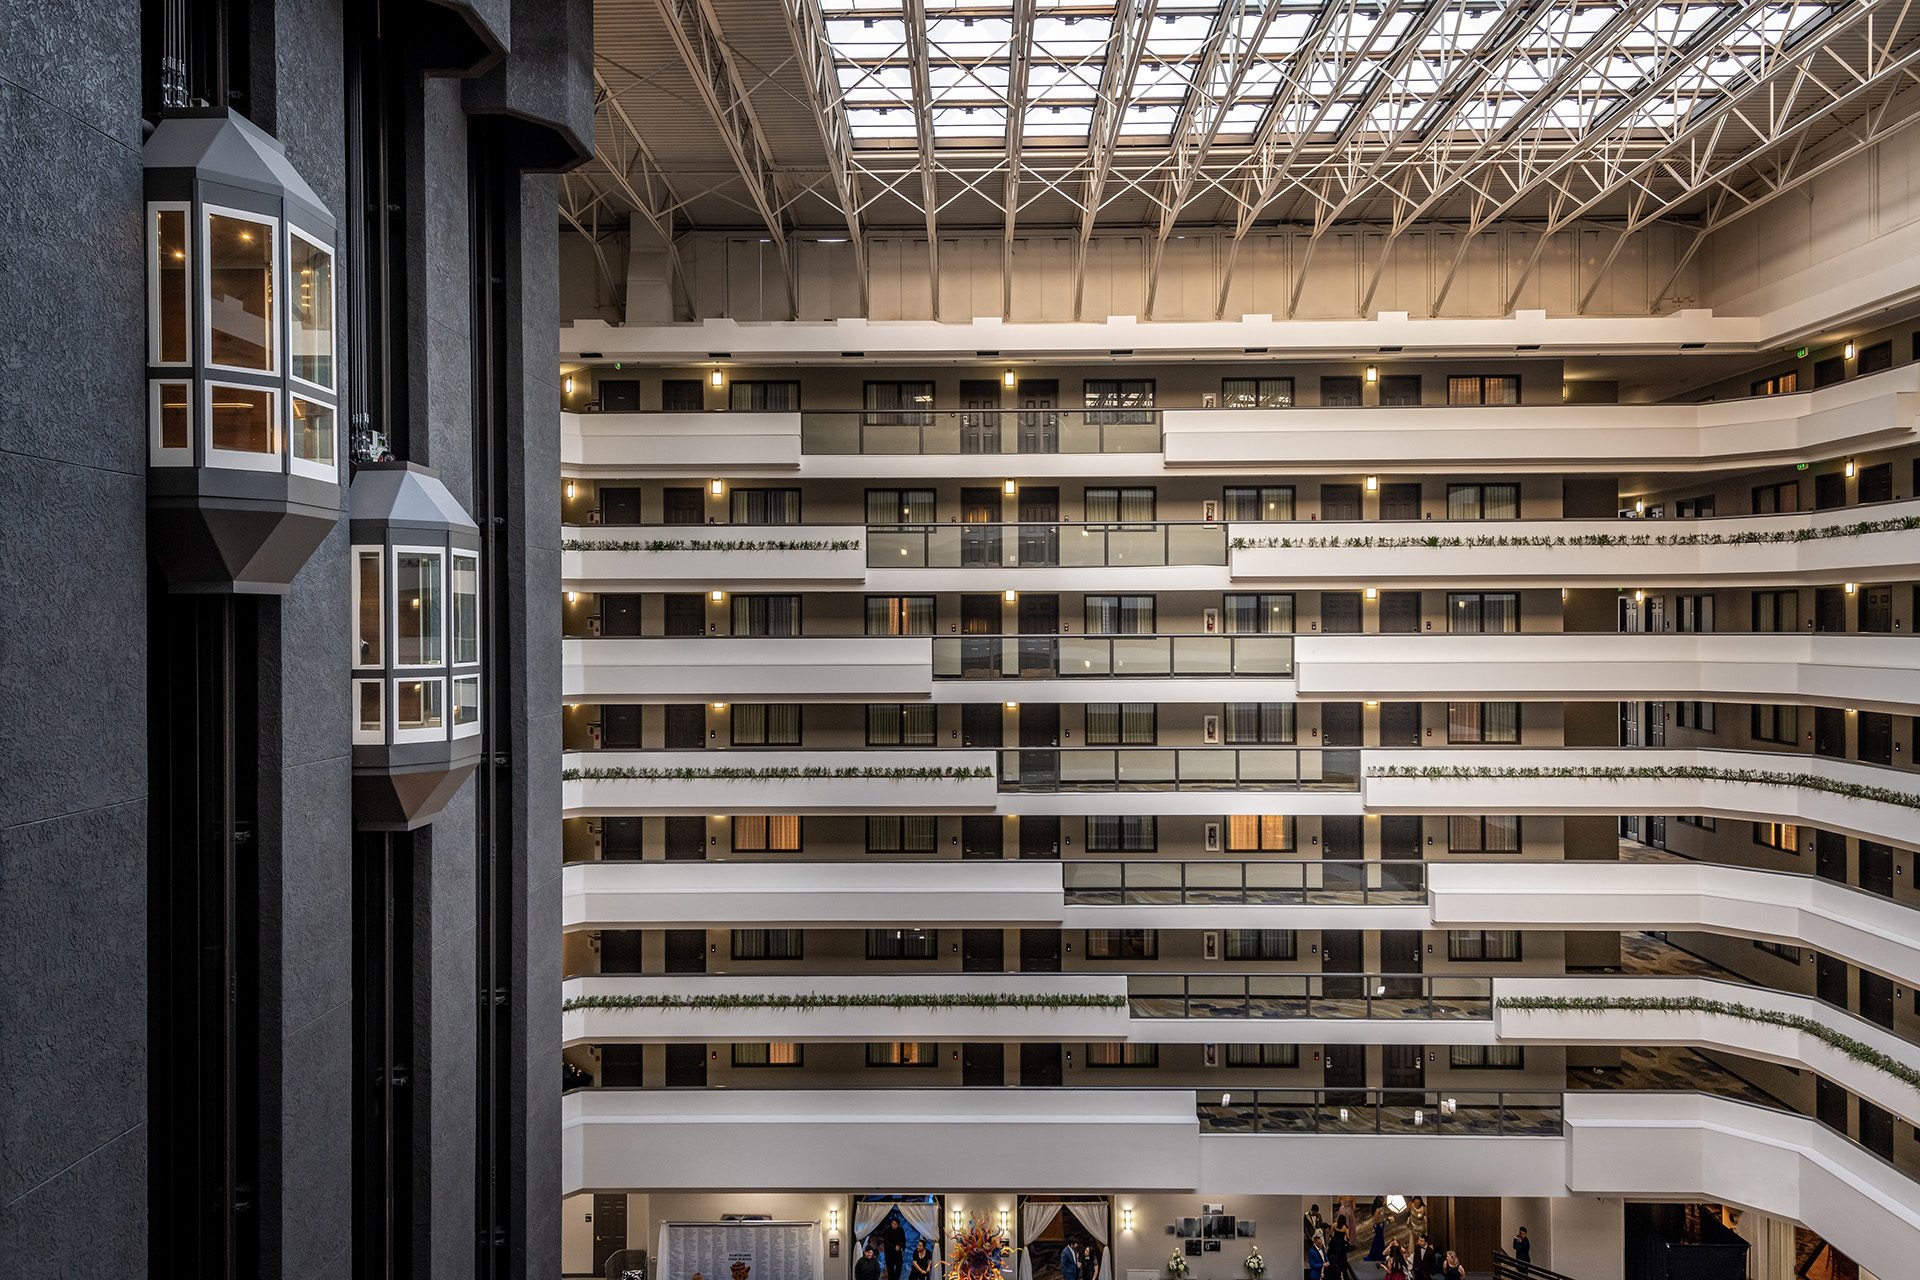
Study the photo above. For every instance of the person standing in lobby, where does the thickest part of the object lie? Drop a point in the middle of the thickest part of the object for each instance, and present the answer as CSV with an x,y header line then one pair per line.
x,y
893,1241
1069,1262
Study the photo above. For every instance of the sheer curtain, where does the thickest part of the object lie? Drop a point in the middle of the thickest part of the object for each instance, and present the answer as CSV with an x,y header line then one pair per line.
x,y
1092,1216
925,1219
867,1217
1034,1219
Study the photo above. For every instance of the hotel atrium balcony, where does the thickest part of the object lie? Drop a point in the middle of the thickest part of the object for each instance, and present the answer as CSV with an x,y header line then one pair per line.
x,y
710,557
663,669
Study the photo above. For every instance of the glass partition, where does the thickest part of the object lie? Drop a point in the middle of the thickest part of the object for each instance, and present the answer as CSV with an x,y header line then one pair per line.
x,y
418,627
310,310
240,315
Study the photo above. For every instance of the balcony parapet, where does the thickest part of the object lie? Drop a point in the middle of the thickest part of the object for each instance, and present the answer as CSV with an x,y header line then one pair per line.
x,y
1868,672
1868,801
631,1009
702,557
654,895
732,443
1854,544
661,669
1877,411
690,782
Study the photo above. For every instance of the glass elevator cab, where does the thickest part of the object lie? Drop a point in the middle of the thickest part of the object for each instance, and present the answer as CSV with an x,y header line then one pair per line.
x,y
416,645
243,450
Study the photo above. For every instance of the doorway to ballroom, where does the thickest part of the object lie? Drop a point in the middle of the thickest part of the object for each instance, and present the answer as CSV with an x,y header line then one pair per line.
x,y
1048,1224
895,1225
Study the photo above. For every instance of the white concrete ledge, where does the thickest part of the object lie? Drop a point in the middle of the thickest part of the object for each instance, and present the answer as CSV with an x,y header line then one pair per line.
x,y
1685,1146
1642,553
1867,672
747,669
1789,1046
715,557
1870,931
880,1022
585,797
678,895
730,443
1867,818
804,1140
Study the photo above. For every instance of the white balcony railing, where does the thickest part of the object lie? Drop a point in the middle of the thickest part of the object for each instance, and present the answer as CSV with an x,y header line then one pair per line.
x,y
744,781
623,444
1855,544
1868,672
704,557
747,669
1837,795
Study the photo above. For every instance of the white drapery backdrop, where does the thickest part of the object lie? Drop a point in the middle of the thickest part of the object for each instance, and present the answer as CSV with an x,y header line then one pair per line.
x,y
925,1219
1092,1216
868,1215
1034,1218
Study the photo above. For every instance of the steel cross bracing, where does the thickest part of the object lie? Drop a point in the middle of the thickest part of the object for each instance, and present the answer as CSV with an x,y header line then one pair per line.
x,y
626,157
696,33
1019,62
807,27
1131,19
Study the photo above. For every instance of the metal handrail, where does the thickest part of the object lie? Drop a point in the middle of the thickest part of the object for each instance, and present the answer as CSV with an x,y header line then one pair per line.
x,y
1180,769
1046,543
1255,882
1385,1111
1180,655
980,431
1345,996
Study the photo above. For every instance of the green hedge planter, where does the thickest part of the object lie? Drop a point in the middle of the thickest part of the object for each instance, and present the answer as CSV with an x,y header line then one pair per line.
x,y
1776,537
1864,1054
817,1000
773,773
683,544
1622,773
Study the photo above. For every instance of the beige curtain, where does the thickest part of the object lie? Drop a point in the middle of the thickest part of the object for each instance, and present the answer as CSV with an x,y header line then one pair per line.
x,y
1034,1219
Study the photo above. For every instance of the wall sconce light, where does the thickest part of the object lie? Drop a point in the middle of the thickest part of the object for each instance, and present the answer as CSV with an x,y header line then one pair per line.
x,y
716,596
719,706
833,1222
567,385
1126,1219
716,378
1007,379
569,488
1373,704
1373,593
573,597
1639,508
1013,706
1852,587
1003,1219
716,487
1849,468
1638,596
1009,488
1010,596
956,1222
1849,351
1373,484
1373,375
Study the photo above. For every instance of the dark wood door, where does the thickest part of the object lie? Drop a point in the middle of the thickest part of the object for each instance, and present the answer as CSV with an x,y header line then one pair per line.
x,y
1340,724
620,839
686,726
1400,501
1340,392
682,506
1039,527
980,547
1399,724
983,950
619,615
980,623
682,395
1475,1231
982,835
1829,609
686,1066
980,419
1400,836
620,727
1830,732
1829,491
1040,1065
686,950
983,1065
1342,835
686,614
1399,612
686,838
1039,835
1830,1104
1873,733
1340,954
619,395
619,506
1400,389
1830,980
1039,738
620,950
1345,1073
1830,856
1876,998
609,1228
1876,1129
1039,623
1039,951
622,1066
1039,415
1403,1067
1340,612
1876,868
981,725
1401,953
1339,502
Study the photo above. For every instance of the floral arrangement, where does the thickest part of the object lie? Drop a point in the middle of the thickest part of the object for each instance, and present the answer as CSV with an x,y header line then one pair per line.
x,y
1255,1263
1177,1267
979,1252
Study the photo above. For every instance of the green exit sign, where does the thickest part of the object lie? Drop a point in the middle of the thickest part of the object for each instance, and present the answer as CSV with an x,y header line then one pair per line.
x,y
1801,354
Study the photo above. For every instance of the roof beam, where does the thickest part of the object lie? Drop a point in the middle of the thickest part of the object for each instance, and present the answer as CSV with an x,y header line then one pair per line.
x,y
807,28
914,14
1125,43
705,54
619,167
1019,61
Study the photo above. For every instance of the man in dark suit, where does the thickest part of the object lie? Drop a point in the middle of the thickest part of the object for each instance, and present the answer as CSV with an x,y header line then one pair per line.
x,y
893,1239
1522,1247
868,1268
1426,1259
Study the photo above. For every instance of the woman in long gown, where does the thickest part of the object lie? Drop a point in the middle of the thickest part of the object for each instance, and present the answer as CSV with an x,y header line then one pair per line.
x,y
1377,1251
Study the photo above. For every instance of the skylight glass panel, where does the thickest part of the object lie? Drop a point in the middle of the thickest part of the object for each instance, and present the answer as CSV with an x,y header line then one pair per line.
x,y
1154,120
882,123
1057,122
970,122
